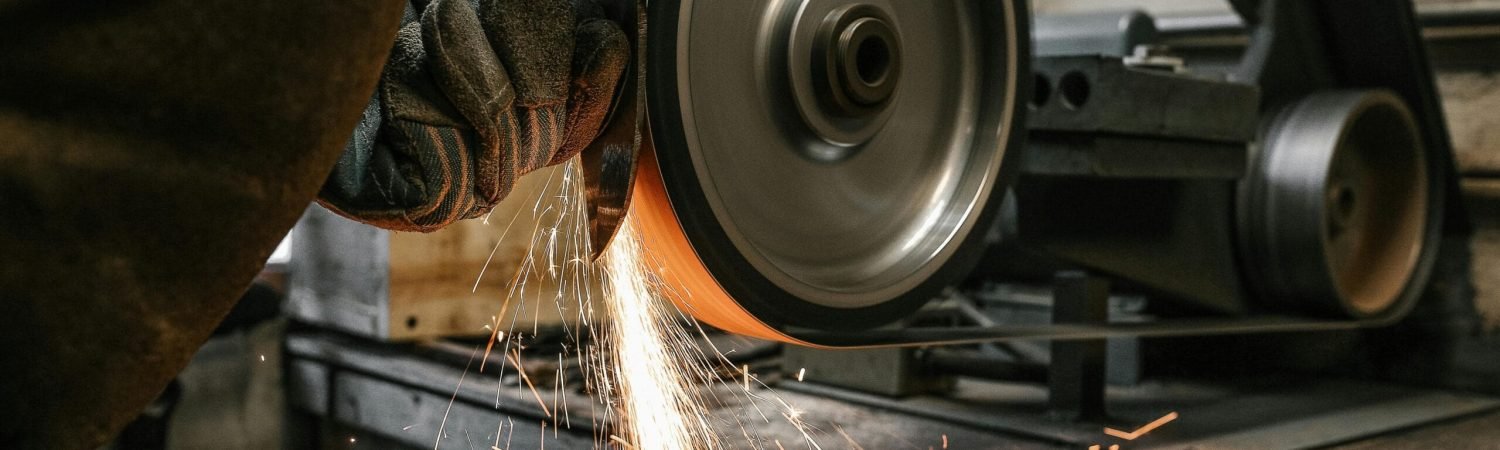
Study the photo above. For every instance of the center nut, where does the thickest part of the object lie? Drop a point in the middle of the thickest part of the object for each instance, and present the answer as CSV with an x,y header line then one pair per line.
x,y
856,60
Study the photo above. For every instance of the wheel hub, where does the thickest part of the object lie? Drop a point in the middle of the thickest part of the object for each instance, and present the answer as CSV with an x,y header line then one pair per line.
x,y
856,60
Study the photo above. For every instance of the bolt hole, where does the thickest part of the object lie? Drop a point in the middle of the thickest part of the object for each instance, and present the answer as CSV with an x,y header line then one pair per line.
x,y
1074,87
411,322
872,59
1041,91
1344,201
1341,201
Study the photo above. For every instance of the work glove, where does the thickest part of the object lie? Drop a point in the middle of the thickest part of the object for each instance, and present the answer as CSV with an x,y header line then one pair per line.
x,y
475,95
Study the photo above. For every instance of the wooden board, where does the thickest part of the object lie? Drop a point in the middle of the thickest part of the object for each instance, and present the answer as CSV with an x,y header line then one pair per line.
x,y
435,283
1482,197
1469,101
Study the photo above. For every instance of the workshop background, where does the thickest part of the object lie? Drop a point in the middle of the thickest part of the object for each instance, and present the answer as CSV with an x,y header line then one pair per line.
x,y
234,394
1468,76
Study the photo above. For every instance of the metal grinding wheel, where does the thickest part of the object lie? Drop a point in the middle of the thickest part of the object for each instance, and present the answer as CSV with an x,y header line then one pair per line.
x,y
825,164
1342,214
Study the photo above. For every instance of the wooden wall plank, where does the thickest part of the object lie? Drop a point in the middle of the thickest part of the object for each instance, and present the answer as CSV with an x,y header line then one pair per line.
x,y
433,276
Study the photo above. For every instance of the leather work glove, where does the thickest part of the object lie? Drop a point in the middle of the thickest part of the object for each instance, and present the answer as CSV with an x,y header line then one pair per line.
x,y
473,96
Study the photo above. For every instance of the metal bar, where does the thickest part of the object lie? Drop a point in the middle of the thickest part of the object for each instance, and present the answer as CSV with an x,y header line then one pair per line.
x,y
1287,414
1113,156
973,364
1100,94
1447,22
1161,328
1075,377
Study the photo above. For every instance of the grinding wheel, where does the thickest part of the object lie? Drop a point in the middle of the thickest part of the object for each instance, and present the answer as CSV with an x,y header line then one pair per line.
x,y
826,165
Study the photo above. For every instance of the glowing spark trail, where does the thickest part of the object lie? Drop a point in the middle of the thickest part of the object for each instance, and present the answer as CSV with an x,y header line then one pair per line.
x,y
515,360
646,363
644,366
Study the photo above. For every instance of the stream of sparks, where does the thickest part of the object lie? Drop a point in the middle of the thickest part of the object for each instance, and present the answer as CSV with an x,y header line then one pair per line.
x,y
641,356
648,375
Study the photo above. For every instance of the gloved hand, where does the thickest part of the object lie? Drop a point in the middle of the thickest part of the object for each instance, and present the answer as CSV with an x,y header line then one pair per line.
x,y
470,99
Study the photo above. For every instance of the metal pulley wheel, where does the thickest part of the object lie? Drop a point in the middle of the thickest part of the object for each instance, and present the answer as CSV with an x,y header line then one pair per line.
x,y
825,164
1342,213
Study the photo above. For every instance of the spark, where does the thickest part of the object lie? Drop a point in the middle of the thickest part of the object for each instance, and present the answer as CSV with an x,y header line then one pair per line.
x,y
262,358
800,373
498,426
515,360
848,439
444,424
560,385
617,440
794,417
493,250
511,432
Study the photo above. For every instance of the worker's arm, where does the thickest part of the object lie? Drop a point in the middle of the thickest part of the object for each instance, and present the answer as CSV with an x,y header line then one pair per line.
x,y
153,152
472,98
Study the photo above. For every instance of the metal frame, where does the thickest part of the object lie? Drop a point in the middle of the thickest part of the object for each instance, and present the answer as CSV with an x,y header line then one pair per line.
x,y
1300,47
